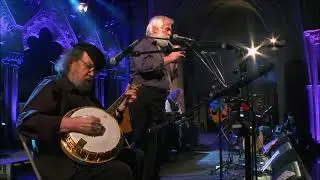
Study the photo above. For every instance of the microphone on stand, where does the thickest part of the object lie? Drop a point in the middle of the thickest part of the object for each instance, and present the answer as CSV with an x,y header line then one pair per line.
x,y
182,38
211,44
118,57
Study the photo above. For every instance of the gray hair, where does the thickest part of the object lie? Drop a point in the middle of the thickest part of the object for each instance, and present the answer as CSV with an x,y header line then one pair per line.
x,y
157,22
62,65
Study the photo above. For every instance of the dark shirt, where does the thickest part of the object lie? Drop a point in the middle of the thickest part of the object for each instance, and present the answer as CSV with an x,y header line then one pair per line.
x,y
41,117
50,101
149,69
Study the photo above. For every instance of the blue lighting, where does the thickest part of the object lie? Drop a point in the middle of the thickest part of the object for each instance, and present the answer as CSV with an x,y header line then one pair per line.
x,y
116,12
74,2
83,7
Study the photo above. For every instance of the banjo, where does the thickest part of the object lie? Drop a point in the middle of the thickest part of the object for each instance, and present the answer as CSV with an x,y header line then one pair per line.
x,y
86,149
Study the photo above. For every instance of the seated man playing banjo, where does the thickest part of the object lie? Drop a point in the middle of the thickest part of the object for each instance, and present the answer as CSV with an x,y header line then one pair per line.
x,y
46,118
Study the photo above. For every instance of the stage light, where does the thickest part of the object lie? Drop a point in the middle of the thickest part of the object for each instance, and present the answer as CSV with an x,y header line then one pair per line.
x,y
275,43
273,40
252,51
83,7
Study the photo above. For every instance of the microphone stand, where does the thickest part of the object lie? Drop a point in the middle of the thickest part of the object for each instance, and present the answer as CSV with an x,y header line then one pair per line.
x,y
220,140
138,53
250,135
128,51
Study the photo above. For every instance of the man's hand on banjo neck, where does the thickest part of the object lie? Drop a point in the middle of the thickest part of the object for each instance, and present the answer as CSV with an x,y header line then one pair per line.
x,y
131,96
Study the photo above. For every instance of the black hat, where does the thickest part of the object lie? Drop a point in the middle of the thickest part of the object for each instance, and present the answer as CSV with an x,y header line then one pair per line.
x,y
94,53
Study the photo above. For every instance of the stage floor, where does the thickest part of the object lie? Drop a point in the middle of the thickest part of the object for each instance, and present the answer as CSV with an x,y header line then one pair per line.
x,y
199,164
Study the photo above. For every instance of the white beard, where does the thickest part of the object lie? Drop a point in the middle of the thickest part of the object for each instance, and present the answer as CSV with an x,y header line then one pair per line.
x,y
162,42
84,87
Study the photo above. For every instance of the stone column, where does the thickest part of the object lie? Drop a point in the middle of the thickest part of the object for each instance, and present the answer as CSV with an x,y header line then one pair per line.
x,y
312,52
10,67
100,82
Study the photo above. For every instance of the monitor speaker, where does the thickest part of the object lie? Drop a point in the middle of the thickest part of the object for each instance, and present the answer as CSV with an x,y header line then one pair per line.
x,y
280,156
291,171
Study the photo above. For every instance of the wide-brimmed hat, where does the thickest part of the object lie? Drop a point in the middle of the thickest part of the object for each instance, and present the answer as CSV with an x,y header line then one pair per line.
x,y
94,53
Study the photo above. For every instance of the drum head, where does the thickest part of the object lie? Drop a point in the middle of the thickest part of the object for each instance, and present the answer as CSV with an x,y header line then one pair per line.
x,y
108,141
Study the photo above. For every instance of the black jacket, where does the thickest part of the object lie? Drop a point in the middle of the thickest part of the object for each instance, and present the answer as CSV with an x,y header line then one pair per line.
x,y
41,117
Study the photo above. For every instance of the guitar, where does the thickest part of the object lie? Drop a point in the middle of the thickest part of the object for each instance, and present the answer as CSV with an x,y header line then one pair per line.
x,y
220,113
125,124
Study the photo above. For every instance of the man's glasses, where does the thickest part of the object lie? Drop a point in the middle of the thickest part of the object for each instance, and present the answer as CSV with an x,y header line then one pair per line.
x,y
89,66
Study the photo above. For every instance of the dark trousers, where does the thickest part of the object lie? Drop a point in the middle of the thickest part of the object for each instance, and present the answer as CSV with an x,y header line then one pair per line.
x,y
146,112
126,166
61,167
114,169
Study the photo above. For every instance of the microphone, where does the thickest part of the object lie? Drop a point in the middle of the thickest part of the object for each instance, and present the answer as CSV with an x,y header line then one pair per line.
x,y
181,38
227,46
118,57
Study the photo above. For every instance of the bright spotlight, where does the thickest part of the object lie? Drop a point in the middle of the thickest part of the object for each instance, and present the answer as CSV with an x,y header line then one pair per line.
x,y
273,40
83,7
275,43
252,51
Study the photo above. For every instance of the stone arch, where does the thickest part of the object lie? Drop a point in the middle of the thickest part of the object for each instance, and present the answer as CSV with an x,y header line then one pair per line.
x,y
57,24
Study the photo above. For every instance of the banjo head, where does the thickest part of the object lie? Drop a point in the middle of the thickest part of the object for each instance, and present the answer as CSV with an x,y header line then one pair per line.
x,y
93,149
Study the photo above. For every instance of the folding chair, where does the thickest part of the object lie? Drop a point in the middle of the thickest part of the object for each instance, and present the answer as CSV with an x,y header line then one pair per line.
x,y
24,141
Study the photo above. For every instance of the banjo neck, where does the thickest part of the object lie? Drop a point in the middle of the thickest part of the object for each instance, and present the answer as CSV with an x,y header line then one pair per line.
x,y
112,109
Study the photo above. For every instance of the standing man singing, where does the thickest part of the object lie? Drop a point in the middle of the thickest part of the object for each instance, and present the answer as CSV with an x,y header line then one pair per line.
x,y
153,72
